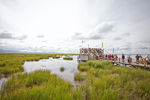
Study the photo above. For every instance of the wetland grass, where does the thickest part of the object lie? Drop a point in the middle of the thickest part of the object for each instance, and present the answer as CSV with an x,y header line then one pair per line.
x,y
83,68
55,57
39,85
79,76
105,81
67,58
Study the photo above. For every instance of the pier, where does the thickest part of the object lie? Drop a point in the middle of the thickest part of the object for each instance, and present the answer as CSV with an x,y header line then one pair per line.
x,y
133,64
98,54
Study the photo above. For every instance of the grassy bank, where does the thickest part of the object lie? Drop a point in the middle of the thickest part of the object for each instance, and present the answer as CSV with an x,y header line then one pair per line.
x,y
39,85
12,63
67,58
105,81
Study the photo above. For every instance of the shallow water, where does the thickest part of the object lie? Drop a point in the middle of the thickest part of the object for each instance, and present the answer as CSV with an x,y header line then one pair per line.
x,y
54,66
2,81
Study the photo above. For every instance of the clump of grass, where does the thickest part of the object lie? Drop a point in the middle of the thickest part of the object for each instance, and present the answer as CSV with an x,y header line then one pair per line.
x,y
56,57
2,64
67,58
62,69
37,78
79,76
98,64
82,67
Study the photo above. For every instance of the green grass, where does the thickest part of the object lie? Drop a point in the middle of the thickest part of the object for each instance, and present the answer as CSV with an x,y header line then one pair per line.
x,y
39,85
79,76
67,58
83,68
55,57
105,81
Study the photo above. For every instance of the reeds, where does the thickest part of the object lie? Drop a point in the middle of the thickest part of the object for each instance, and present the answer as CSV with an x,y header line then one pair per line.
x,y
79,76
105,81
67,58
83,68
39,85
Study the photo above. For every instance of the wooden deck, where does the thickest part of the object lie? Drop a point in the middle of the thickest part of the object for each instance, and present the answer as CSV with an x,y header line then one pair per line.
x,y
131,64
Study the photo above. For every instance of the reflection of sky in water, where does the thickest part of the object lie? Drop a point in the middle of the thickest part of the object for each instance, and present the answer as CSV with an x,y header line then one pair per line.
x,y
54,65
2,81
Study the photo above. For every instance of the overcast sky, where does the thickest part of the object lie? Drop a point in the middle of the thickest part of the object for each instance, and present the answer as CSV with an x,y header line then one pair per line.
x,y
60,25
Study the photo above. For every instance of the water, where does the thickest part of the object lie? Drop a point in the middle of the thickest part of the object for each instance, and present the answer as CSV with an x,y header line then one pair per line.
x,y
2,82
54,66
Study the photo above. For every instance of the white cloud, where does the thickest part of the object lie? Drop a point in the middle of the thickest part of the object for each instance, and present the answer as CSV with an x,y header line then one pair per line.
x,y
7,35
96,33
104,28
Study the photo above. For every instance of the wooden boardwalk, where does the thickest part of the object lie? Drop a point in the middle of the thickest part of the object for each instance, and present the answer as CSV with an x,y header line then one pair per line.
x,y
98,54
130,64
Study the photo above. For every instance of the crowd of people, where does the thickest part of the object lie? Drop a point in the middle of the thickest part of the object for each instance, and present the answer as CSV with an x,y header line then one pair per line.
x,y
138,58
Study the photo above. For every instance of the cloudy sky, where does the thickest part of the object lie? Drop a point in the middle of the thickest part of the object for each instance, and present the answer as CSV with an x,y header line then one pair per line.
x,y
59,26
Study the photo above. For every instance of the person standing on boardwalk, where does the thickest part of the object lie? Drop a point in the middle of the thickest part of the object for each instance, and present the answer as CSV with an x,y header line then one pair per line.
x,y
140,59
129,60
123,57
116,57
145,62
109,57
137,59
106,56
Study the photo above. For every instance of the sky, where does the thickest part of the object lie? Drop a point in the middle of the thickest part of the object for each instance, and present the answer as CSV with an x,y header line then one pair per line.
x,y
65,26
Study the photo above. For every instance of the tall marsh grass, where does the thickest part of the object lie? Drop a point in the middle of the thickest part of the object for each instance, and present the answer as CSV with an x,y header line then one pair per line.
x,y
105,81
39,85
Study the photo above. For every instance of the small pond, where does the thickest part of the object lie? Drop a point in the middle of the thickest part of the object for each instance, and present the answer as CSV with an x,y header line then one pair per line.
x,y
54,65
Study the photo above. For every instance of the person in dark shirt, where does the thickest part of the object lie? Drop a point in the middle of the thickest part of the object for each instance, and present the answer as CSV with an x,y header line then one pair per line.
x,y
123,57
112,57
106,56
137,58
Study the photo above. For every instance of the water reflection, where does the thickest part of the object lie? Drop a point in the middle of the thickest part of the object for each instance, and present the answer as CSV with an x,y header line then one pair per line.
x,y
2,82
54,65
